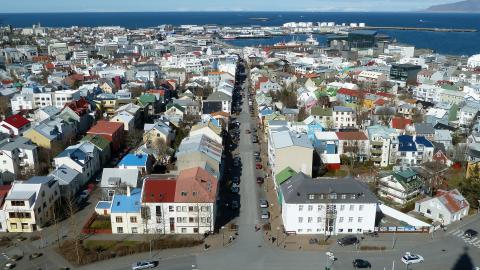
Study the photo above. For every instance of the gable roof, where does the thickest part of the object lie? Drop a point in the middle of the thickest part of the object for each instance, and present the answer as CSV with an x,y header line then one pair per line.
x,y
196,185
127,204
117,176
453,200
159,190
97,140
400,122
105,127
17,121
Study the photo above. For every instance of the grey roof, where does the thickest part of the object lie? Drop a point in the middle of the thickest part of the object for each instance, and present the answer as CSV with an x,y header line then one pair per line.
x,y
424,128
219,96
286,138
40,179
64,175
10,144
114,176
342,109
297,190
50,110
200,143
442,135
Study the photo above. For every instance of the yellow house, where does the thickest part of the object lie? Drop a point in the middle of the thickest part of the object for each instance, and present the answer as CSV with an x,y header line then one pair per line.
x,y
473,169
39,139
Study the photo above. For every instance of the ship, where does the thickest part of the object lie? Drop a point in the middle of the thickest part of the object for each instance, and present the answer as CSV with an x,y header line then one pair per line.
x,y
261,19
229,37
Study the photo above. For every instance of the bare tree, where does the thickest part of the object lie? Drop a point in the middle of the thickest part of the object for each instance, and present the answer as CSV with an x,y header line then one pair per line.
x,y
74,230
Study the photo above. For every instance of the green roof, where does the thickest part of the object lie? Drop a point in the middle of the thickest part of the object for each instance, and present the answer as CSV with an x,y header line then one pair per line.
x,y
180,108
407,178
332,92
146,99
284,175
452,114
319,111
97,140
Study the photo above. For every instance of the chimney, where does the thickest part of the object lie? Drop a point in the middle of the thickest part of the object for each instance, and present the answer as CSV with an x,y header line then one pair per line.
x,y
128,191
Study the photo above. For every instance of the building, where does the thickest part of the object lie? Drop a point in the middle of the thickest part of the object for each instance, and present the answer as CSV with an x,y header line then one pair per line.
x,y
68,180
361,39
344,117
284,145
400,186
83,157
446,207
159,200
354,143
141,162
17,156
125,212
3,219
405,73
327,206
383,145
414,150
30,205
217,102
198,150
112,131
14,125
116,180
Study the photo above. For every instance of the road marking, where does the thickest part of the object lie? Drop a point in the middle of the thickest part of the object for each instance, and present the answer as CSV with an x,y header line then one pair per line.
x,y
456,232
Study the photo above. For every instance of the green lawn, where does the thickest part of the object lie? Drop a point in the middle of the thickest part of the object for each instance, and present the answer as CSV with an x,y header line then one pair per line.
x,y
101,224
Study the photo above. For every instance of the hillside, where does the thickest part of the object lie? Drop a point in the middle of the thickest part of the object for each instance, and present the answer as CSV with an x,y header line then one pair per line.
x,y
469,6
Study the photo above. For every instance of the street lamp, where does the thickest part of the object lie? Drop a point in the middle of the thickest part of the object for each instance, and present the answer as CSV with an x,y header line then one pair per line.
x,y
278,235
223,235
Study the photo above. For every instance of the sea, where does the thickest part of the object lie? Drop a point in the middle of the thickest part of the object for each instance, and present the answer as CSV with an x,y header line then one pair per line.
x,y
452,43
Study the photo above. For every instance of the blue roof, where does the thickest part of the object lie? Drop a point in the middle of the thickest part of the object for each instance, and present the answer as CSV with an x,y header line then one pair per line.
x,y
424,141
406,144
134,160
266,111
127,204
103,205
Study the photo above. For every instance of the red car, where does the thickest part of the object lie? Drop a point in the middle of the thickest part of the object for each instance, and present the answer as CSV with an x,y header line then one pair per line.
x,y
260,180
258,166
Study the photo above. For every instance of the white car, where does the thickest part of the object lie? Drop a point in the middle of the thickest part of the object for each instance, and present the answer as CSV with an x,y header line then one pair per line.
x,y
143,265
410,258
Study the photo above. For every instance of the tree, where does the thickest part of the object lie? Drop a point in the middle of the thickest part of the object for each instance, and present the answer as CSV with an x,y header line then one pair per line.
x,y
4,106
134,138
162,150
469,189
302,114
74,231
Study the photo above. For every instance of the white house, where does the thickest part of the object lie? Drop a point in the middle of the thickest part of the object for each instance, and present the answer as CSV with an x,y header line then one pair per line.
x,y
446,207
125,212
383,145
344,117
17,155
326,206
30,205
83,157
126,118
399,186
414,150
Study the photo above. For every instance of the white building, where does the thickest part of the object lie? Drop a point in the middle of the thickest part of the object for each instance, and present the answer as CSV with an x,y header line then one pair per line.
x,y
327,206
427,92
414,150
446,207
383,145
17,156
400,186
83,157
474,61
63,97
29,205
344,117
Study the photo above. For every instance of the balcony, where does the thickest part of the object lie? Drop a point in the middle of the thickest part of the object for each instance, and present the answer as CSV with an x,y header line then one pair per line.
x,y
376,151
376,159
375,143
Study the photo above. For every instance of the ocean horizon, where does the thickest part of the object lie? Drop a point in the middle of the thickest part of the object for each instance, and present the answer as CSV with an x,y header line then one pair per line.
x,y
454,43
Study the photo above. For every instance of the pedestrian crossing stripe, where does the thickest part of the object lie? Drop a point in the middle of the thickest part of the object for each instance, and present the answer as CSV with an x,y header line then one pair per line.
x,y
456,232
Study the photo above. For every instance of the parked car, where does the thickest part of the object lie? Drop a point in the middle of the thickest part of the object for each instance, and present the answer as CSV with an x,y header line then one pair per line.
x,y
348,240
359,263
260,180
16,257
265,214
256,154
258,166
235,189
470,233
234,205
258,159
410,258
236,180
144,265
9,265
35,255
84,194
263,204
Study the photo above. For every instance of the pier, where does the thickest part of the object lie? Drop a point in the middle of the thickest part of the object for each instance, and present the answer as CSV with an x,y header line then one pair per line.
x,y
418,29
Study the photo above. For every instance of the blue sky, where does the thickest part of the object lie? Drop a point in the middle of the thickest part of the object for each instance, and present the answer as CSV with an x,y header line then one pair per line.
x,y
214,5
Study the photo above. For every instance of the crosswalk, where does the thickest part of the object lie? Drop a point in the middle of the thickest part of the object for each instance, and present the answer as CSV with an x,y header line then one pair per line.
x,y
475,241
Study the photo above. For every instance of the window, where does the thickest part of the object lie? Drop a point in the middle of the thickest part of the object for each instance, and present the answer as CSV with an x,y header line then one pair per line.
x,y
179,209
134,230
190,209
300,219
319,219
111,193
309,230
350,230
184,230
159,219
340,220
352,196
319,208
428,211
352,207
299,230
360,207
359,230
333,196
119,229
310,219
310,208
18,203
360,219
158,211
342,207
133,219
350,219
195,230
300,208
311,196
191,220
118,219
340,230
13,226
170,208
344,196
184,193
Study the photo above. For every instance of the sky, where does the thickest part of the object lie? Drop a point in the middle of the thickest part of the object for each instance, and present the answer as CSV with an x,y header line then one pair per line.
x,y
214,5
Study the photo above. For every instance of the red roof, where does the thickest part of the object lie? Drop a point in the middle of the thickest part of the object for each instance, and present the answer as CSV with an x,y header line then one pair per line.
x,y
379,102
400,122
3,193
348,92
17,121
105,127
80,106
351,136
453,200
159,190
196,185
